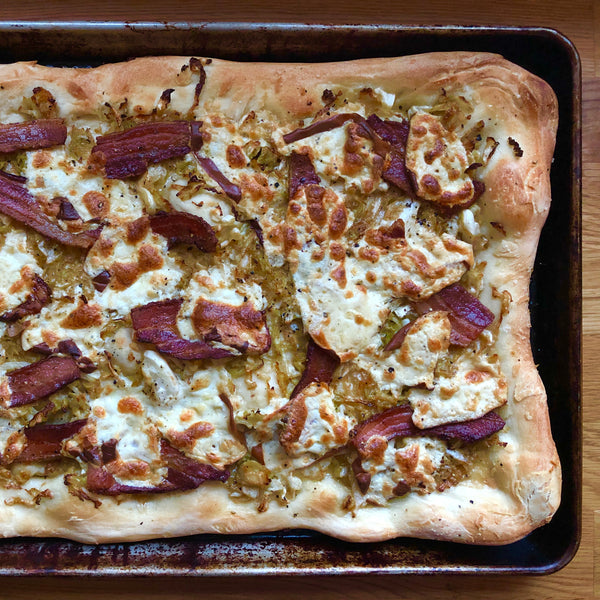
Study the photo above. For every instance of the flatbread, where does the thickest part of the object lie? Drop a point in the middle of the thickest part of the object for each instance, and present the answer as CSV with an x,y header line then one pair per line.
x,y
327,254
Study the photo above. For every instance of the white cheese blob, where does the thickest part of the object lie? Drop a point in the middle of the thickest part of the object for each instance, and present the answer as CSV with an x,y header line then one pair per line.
x,y
473,390
414,362
56,323
18,266
111,249
410,462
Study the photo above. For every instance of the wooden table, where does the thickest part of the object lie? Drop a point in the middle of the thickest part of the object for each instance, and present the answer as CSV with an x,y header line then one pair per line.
x,y
577,19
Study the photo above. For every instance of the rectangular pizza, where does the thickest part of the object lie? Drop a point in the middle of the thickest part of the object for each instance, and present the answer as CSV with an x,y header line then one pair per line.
x,y
245,297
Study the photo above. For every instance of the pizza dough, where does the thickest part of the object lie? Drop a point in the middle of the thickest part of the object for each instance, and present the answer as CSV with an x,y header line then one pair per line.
x,y
242,297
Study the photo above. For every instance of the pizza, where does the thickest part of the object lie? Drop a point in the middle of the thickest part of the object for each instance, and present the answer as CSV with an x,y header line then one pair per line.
x,y
246,297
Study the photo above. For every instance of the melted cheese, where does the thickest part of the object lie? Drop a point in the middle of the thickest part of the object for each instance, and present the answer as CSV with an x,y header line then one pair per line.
x,y
217,284
474,390
57,176
438,160
51,326
325,427
410,461
414,362
153,285
179,406
18,265
344,319
135,436
332,163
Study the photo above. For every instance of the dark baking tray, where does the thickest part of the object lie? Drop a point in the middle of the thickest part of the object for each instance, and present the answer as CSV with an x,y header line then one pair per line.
x,y
555,303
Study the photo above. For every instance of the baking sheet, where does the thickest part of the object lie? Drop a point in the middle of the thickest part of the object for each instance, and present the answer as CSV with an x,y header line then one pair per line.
x,y
555,300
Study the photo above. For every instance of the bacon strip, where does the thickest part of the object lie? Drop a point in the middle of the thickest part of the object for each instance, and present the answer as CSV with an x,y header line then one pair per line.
x,y
67,211
125,154
184,228
319,367
32,135
468,317
39,296
69,347
101,280
156,323
301,173
231,189
321,126
395,133
44,441
17,202
398,338
183,473
40,379
397,422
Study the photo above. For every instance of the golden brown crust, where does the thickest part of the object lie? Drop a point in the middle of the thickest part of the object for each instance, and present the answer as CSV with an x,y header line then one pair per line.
x,y
522,489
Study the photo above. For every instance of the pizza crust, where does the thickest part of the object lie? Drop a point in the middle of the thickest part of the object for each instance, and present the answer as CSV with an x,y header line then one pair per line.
x,y
521,490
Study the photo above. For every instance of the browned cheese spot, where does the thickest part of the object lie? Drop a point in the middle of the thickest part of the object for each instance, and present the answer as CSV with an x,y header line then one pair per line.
x,y
315,204
130,405
235,157
129,469
370,254
337,251
85,315
97,204
137,230
338,221
476,376
430,184
186,439
339,275
435,152
41,159
149,258
123,275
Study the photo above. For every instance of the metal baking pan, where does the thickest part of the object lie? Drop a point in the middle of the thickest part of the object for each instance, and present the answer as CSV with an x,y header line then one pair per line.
x,y
555,303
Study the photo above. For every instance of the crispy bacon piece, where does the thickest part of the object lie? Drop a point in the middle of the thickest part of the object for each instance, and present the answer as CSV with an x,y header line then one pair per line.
x,y
67,211
397,422
156,323
17,202
301,173
241,327
319,367
321,126
231,189
125,154
101,280
183,473
398,338
184,228
68,347
468,317
40,379
44,441
32,135
363,478
39,296
395,133
469,431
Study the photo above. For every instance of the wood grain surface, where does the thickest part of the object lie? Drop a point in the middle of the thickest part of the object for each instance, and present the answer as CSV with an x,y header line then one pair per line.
x,y
580,21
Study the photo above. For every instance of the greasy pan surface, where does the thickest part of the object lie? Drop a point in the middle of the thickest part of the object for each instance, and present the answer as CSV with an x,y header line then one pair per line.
x,y
555,301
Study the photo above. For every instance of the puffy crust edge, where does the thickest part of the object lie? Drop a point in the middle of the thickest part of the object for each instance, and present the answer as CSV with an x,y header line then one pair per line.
x,y
526,488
